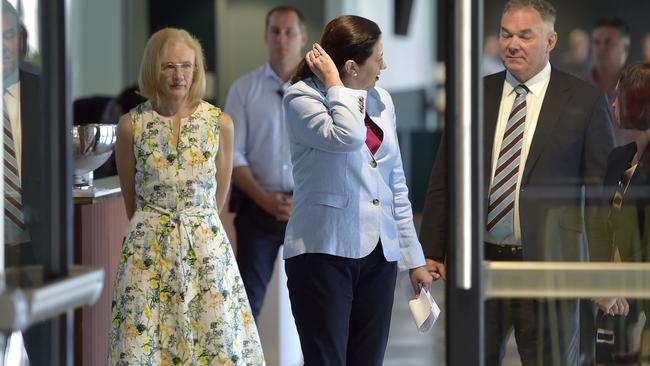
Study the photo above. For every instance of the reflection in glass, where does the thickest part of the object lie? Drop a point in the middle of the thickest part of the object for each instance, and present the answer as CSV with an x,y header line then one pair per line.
x,y
621,322
21,121
15,229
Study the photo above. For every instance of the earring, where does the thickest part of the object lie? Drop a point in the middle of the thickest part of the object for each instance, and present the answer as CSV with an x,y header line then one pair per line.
x,y
355,74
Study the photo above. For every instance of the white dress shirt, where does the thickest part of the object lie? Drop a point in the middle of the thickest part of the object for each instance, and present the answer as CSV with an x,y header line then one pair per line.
x,y
537,89
11,100
255,103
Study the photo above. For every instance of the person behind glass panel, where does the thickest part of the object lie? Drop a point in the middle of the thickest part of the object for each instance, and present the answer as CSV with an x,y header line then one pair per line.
x,y
575,60
491,62
610,47
627,179
536,209
20,112
645,48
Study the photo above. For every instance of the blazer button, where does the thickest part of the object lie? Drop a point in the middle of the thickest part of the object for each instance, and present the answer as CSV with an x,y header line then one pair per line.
x,y
373,164
375,202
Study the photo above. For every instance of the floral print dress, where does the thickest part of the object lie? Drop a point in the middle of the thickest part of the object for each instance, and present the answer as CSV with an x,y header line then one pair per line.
x,y
178,296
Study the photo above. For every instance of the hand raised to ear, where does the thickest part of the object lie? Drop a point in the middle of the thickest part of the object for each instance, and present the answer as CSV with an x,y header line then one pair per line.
x,y
322,66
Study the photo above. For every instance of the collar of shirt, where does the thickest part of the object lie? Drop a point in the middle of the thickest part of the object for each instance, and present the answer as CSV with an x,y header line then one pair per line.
x,y
319,85
10,79
535,84
269,73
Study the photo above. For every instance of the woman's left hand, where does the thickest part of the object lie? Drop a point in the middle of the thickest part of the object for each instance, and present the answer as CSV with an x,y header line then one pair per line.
x,y
323,66
420,278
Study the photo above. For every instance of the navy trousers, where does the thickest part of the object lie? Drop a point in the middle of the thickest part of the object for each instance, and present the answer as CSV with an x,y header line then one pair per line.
x,y
342,307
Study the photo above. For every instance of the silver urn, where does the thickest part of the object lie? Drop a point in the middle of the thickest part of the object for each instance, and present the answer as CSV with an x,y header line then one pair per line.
x,y
92,145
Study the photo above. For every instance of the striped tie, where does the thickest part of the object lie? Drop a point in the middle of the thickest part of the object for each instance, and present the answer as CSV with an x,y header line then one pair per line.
x,y
14,219
500,212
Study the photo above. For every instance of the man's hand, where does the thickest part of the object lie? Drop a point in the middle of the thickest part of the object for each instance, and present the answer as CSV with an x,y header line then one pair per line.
x,y
436,269
420,277
613,306
278,205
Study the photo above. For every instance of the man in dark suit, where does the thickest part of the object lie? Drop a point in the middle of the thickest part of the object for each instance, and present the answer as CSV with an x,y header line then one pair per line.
x,y
21,112
546,138
24,235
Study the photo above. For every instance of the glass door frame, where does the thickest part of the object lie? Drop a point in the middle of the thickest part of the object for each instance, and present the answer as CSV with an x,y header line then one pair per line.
x,y
52,340
464,290
470,279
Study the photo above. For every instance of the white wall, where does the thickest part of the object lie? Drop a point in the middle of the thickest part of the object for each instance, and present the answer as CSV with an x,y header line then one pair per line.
x,y
240,35
105,58
410,58
97,47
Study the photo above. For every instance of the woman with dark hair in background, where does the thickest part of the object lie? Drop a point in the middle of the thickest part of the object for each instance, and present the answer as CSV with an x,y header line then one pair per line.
x,y
627,191
352,218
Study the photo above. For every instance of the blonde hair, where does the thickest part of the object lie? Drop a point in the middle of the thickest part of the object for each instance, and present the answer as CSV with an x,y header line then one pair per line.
x,y
154,52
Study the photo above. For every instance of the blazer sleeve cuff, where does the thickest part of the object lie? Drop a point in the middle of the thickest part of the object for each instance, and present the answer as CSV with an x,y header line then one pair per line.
x,y
411,257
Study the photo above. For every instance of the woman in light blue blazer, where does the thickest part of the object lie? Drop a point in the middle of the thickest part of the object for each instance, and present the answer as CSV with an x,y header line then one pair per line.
x,y
352,226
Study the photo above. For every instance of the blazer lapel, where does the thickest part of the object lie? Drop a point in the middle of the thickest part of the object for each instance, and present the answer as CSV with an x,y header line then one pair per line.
x,y
493,87
555,100
374,108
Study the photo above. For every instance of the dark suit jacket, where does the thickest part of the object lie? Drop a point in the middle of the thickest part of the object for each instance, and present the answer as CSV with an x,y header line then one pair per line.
x,y
631,223
32,146
34,195
563,171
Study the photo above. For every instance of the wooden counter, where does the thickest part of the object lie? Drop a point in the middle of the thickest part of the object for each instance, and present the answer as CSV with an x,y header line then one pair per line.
x,y
99,226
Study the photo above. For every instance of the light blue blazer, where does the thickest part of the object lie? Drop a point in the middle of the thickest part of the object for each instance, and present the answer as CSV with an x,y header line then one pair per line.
x,y
345,200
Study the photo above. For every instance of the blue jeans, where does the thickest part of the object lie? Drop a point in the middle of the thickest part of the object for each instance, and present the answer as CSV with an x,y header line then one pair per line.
x,y
257,249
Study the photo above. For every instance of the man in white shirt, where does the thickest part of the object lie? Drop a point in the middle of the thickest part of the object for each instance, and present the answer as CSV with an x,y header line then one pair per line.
x,y
547,136
15,231
22,122
262,175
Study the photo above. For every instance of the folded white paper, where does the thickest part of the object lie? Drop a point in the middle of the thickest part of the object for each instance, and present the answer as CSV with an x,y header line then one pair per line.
x,y
425,311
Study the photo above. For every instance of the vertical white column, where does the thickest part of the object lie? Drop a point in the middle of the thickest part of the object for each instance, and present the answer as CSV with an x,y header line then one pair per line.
x,y
276,325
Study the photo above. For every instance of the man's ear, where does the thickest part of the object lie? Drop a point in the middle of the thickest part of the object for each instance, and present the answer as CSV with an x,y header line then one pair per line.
x,y
303,33
552,41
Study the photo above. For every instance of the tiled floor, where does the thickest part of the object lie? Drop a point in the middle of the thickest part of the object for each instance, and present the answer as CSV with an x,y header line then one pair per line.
x,y
407,347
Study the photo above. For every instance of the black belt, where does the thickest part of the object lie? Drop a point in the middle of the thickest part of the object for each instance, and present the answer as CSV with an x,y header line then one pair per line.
x,y
504,252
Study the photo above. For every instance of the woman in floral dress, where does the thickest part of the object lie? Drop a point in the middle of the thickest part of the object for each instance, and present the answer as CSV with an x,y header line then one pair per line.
x,y
178,296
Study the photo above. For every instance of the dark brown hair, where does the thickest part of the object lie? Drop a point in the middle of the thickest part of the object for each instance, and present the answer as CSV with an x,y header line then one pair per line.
x,y
615,23
633,95
348,37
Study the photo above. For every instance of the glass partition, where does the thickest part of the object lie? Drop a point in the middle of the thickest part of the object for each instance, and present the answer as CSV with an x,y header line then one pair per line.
x,y
553,156
37,231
